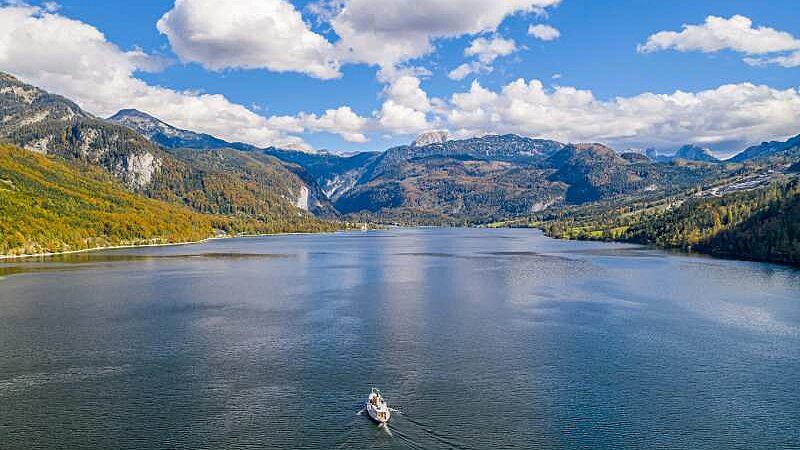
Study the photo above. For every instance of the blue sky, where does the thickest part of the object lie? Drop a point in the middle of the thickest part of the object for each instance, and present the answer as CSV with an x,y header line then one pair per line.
x,y
596,52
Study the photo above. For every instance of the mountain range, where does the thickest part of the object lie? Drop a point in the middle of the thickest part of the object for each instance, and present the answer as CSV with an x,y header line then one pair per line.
x,y
434,180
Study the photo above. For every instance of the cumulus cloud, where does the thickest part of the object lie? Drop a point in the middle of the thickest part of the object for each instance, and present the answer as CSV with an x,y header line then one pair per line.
x,y
269,34
544,32
735,113
401,119
407,91
74,59
736,34
406,29
406,107
342,121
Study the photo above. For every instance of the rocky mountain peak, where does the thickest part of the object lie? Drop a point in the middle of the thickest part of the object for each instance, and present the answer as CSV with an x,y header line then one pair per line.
x,y
430,137
142,123
22,104
693,152
168,136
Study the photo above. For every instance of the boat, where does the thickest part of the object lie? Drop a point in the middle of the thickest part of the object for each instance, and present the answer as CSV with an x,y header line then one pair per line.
x,y
377,408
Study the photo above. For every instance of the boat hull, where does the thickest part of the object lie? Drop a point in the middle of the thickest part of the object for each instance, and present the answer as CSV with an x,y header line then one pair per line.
x,y
380,416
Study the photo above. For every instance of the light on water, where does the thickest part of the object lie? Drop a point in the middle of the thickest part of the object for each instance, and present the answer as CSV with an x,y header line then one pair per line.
x,y
478,339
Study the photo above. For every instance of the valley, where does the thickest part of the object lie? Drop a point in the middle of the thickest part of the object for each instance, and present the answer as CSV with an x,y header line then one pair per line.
x,y
575,191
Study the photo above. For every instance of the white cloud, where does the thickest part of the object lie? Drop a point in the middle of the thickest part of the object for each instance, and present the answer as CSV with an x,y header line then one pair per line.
x,y
487,50
790,60
74,59
51,6
247,34
342,121
544,32
406,108
406,91
735,113
400,119
736,33
271,34
406,28
464,70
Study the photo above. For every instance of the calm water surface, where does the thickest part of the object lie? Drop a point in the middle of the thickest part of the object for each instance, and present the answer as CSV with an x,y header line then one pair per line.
x,y
481,338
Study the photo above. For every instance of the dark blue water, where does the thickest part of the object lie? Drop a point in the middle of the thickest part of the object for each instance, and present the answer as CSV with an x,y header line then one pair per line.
x,y
482,338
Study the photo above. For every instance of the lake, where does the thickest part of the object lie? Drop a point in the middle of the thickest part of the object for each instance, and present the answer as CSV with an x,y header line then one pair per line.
x,y
479,338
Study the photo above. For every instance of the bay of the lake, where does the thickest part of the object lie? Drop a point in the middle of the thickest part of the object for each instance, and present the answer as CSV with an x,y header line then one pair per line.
x,y
481,339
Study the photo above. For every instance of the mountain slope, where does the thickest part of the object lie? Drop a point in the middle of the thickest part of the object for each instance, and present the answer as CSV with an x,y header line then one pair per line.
x,y
469,180
790,147
167,136
751,216
52,125
49,206
772,233
594,171
763,224
445,189
248,183
334,174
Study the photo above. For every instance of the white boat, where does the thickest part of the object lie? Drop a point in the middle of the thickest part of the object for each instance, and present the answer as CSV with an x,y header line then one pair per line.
x,y
377,408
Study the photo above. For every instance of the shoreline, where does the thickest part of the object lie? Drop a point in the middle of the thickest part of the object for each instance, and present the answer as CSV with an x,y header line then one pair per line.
x,y
97,249
681,251
7,258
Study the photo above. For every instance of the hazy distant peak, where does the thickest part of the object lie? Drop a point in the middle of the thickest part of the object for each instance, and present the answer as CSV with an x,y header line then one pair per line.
x,y
694,152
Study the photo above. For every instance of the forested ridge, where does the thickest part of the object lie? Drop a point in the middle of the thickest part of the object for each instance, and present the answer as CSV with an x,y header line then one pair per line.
x,y
760,224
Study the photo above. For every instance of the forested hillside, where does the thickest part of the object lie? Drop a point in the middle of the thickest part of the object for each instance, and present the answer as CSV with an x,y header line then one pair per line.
x,y
761,224
48,206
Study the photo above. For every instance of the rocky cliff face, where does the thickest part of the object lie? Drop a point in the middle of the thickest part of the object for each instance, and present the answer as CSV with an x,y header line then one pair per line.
x,y
23,105
50,124
302,198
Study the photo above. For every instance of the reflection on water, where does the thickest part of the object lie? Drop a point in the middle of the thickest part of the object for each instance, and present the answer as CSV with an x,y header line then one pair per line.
x,y
479,338
67,261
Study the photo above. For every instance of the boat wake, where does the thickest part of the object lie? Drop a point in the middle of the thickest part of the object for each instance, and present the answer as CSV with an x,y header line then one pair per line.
x,y
418,434
404,429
